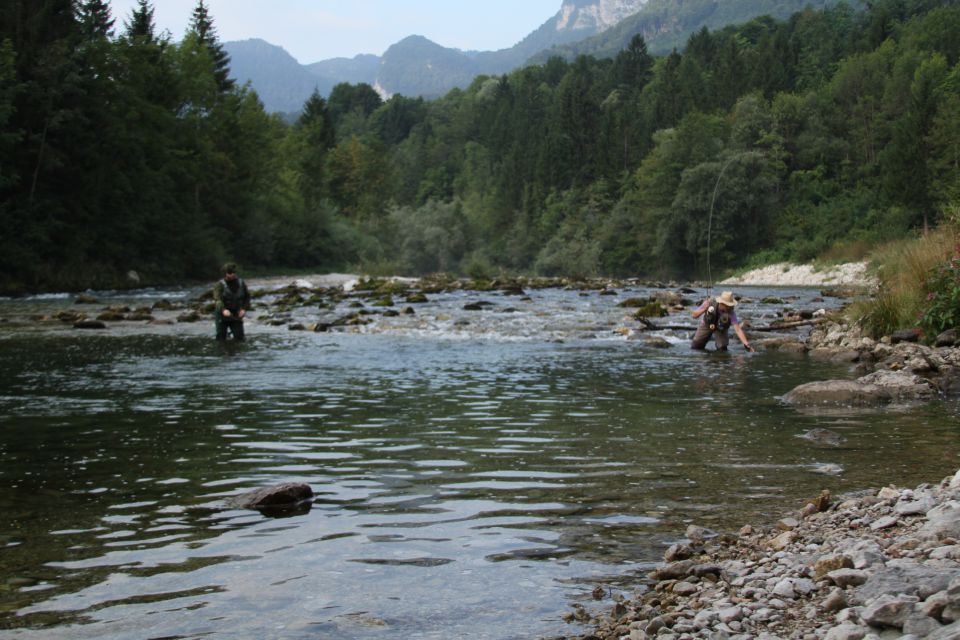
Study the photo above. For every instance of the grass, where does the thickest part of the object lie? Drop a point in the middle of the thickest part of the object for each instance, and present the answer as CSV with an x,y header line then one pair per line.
x,y
902,268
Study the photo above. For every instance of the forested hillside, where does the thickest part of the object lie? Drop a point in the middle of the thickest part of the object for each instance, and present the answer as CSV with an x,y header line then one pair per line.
x,y
121,150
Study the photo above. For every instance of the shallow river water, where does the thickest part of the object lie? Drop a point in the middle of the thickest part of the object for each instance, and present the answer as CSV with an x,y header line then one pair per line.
x,y
477,473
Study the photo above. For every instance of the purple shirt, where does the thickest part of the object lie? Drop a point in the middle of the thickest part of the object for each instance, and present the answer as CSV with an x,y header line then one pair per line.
x,y
703,307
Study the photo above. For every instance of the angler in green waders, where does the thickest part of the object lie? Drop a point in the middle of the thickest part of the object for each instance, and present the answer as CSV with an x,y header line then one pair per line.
x,y
231,300
716,318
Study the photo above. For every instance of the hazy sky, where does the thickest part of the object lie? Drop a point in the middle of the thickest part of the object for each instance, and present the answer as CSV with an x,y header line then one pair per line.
x,y
314,30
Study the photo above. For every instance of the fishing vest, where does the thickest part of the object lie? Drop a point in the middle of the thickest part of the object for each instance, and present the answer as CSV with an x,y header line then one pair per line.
x,y
716,320
233,299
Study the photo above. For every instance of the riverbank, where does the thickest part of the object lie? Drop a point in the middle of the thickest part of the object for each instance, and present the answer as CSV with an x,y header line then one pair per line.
x,y
871,564
861,566
784,274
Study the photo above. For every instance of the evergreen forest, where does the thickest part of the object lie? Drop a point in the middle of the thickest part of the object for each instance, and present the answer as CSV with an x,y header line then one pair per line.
x,y
124,150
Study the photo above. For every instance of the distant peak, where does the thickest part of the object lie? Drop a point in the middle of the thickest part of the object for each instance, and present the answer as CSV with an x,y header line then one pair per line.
x,y
598,15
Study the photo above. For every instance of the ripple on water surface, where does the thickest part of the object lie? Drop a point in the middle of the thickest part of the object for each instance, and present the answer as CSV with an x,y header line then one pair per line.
x,y
468,483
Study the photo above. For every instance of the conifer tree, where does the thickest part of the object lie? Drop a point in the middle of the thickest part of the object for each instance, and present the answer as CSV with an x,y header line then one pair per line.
x,y
95,20
201,23
140,24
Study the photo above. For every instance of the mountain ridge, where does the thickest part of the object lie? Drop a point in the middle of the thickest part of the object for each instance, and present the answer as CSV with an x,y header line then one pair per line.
x,y
416,66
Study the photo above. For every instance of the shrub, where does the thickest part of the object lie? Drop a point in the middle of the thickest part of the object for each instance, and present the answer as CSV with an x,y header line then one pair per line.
x,y
905,269
942,305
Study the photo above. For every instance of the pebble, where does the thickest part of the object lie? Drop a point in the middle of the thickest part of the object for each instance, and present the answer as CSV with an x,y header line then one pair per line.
x,y
823,579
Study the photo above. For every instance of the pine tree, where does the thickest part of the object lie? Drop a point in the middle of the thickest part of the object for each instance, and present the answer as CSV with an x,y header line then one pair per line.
x,y
140,24
202,24
95,20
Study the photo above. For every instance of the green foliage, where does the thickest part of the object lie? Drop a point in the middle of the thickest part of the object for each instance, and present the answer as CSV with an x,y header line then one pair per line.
x,y
942,306
914,274
890,310
818,135
431,239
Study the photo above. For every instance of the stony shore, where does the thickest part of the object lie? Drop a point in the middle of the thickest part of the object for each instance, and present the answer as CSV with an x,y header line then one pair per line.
x,y
784,274
881,564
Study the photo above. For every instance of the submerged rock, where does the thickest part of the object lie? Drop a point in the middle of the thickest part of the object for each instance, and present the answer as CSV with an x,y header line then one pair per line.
x,y
823,436
89,324
288,498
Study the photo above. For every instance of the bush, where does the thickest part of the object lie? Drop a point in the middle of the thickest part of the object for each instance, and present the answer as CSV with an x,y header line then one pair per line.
x,y
909,273
942,308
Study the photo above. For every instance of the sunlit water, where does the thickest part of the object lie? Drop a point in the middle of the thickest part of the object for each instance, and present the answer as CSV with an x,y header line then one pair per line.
x,y
476,472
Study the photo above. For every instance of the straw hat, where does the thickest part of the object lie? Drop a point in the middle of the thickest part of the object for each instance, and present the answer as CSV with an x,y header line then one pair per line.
x,y
727,298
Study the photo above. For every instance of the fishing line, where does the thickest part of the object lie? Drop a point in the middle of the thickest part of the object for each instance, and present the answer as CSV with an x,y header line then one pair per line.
x,y
713,201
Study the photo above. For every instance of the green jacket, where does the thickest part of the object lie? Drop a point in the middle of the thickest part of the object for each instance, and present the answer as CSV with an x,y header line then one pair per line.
x,y
232,298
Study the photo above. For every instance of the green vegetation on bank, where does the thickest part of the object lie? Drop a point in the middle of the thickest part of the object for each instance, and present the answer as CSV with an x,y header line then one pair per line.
x,y
919,284
778,140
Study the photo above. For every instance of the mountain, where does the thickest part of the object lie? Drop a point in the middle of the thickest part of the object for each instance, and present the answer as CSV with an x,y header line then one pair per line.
x,y
667,24
416,66
361,68
282,83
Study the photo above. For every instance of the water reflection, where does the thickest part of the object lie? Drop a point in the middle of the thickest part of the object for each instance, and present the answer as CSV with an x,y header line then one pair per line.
x,y
465,488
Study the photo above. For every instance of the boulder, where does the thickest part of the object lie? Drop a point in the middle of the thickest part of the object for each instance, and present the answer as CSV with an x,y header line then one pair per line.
x,y
288,498
876,389
911,580
902,385
838,392
947,339
907,335
888,611
943,521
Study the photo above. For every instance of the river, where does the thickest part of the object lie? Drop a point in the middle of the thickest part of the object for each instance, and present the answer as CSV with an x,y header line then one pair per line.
x,y
477,472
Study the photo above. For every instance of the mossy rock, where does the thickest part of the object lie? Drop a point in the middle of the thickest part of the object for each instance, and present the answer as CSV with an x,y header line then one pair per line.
x,y
631,303
190,316
650,310
393,287
417,298
368,284
386,301
479,285
162,305
70,316
290,300
85,299
772,300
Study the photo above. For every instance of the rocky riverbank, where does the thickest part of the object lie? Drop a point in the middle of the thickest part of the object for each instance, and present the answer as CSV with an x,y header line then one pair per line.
x,y
878,564
784,274
894,369
874,565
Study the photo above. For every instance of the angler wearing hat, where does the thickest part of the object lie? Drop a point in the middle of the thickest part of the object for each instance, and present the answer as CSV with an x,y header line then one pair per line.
x,y
231,300
716,317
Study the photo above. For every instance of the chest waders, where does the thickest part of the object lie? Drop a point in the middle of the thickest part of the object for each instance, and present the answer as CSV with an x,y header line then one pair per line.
x,y
715,323
715,319
232,299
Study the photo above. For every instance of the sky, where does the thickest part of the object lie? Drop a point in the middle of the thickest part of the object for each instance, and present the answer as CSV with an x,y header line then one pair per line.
x,y
314,30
